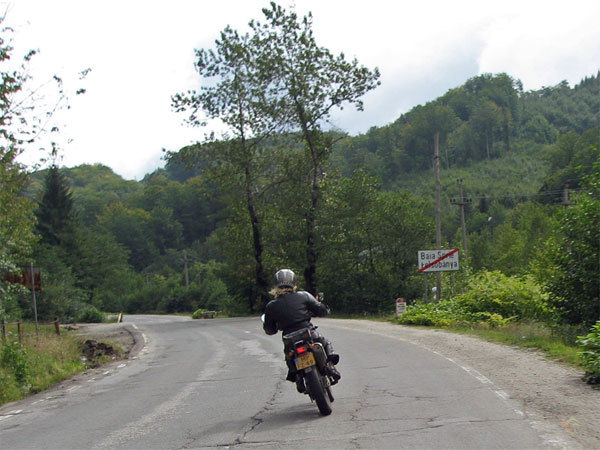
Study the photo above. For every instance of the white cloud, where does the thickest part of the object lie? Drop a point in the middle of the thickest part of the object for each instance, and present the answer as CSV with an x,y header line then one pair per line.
x,y
141,53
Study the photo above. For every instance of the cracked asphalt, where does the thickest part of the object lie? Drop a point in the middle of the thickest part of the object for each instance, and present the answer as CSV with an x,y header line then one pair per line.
x,y
220,384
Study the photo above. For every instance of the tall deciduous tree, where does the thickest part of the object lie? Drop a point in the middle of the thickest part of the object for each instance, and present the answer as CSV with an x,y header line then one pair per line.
x,y
275,79
240,98
309,82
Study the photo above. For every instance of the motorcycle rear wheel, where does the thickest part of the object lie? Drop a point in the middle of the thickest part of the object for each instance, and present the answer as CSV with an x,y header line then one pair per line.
x,y
318,391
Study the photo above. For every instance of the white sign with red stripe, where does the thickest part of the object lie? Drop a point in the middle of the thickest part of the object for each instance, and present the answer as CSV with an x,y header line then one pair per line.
x,y
437,260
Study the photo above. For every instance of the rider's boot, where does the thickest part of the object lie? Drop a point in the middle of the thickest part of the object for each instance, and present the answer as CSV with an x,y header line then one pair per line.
x,y
333,373
300,384
332,355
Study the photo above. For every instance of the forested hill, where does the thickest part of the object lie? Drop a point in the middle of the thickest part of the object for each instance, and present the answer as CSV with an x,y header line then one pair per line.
x,y
486,119
181,239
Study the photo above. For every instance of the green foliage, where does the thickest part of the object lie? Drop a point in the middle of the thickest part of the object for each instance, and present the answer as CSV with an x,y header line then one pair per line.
x,y
368,241
37,363
90,315
441,314
14,358
572,277
200,313
491,298
55,214
589,346
516,298
16,218
60,296
571,158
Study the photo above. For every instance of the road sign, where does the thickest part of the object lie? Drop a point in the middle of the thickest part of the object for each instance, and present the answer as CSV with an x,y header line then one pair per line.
x,y
437,260
400,306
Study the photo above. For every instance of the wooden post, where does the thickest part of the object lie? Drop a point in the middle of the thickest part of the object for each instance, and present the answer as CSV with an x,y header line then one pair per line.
x,y
34,300
57,326
19,331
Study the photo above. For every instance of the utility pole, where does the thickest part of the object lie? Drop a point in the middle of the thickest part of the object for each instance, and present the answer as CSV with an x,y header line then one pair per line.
x,y
438,209
462,202
565,198
185,269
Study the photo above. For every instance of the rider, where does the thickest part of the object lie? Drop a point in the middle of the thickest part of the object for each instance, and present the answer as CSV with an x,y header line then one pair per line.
x,y
291,311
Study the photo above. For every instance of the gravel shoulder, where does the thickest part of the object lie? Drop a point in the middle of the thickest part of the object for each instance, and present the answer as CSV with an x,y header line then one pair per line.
x,y
553,396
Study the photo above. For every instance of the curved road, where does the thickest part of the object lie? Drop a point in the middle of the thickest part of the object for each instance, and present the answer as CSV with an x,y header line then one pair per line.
x,y
220,383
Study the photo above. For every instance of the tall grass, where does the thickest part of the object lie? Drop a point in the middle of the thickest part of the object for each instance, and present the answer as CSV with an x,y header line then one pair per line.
x,y
39,361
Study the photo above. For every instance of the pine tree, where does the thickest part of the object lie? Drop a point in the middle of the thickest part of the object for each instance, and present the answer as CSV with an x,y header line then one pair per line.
x,y
55,214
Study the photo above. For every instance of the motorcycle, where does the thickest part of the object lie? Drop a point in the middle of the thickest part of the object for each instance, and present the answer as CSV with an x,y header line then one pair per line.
x,y
311,365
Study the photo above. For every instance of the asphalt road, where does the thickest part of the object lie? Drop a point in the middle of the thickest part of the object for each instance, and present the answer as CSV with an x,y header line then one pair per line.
x,y
220,383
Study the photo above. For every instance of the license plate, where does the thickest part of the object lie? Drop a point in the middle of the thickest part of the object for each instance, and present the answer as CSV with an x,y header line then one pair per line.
x,y
305,360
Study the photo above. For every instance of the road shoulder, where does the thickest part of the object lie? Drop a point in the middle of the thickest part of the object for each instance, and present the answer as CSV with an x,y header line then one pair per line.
x,y
552,395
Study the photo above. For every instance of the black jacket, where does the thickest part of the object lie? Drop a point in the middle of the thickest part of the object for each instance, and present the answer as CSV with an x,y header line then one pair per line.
x,y
291,312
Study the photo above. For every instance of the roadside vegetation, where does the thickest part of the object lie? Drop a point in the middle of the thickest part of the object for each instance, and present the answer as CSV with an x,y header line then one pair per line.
x,y
38,362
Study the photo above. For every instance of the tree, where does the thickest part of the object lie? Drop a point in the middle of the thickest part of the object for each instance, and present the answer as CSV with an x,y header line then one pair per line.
x,y
308,82
240,99
132,228
575,257
55,214
275,79
487,117
369,240
16,216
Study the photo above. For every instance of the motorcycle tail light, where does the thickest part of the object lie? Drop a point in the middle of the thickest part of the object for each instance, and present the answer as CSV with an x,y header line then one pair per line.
x,y
300,350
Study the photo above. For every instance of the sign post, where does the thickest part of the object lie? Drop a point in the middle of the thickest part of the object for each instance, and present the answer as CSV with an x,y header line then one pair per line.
x,y
400,306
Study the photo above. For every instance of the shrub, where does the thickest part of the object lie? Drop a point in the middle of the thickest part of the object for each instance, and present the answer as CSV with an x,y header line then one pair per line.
x,y
198,313
442,314
14,357
590,354
516,298
91,315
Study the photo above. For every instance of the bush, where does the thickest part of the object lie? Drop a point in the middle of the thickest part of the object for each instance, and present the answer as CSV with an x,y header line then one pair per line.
x,y
91,315
590,354
198,314
14,357
491,299
516,298
442,314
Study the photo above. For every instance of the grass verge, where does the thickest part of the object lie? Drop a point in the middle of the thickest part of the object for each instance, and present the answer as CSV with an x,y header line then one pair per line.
x,y
554,344
558,343
39,361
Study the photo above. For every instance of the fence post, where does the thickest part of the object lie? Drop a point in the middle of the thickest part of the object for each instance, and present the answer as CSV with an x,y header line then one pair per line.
x,y
57,326
19,331
3,330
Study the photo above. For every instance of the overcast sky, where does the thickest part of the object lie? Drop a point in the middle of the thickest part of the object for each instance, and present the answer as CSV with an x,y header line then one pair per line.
x,y
142,52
